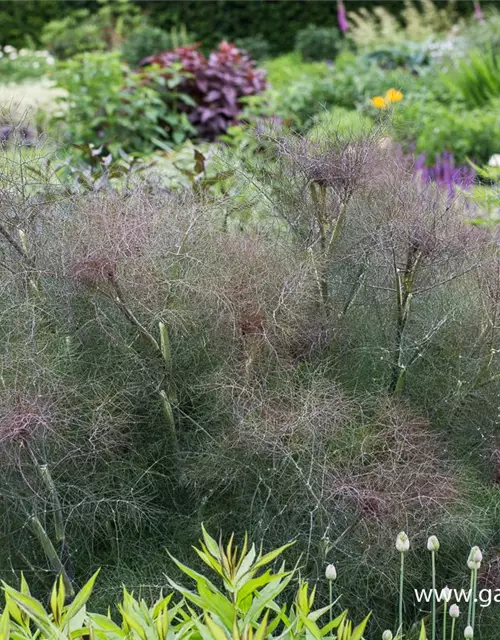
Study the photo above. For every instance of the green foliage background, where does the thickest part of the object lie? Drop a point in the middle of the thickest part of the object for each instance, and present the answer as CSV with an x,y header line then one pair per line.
x,y
211,20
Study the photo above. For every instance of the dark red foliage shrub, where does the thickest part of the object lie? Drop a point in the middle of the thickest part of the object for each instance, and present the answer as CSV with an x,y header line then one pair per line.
x,y
215,85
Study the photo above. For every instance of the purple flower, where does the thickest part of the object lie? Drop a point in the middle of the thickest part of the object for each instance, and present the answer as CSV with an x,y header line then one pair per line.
x,y
478,12
444,172
342,16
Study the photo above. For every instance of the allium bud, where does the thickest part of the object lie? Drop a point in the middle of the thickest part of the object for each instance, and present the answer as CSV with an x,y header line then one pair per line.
x,y
433,543
402,542
446,594
475,558
387,635
331,572
454,611
468,632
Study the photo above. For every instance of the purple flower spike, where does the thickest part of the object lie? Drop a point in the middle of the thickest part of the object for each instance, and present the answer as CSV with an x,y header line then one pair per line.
x,y
342,16
444,172
478,12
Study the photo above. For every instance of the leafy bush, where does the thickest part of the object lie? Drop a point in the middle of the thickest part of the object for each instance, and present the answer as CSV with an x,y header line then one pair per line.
x,y
419,21
430,126
248,604
476,78
23,64
317,43
82,31
256,46
216,86
149,41
75,33
110,106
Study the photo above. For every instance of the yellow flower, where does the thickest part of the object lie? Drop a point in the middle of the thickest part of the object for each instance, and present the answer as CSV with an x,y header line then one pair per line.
x,y
379,102
393,95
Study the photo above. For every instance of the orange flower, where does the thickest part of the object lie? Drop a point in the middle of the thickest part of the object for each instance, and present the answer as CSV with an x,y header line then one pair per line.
x,y
393,95
379,102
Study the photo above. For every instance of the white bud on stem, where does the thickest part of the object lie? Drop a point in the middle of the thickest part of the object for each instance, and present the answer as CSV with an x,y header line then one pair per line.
x,y
468,632
454,611
433,543
402,542
331,572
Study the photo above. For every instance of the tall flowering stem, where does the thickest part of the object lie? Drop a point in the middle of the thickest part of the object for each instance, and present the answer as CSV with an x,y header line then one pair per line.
x,y
342,16
402,545
478,12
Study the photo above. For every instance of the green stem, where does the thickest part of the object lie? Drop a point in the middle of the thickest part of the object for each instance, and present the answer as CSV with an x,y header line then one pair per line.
x,y
453,628
473,618
330,593
51,553
444,619
469,613
401,582
433,556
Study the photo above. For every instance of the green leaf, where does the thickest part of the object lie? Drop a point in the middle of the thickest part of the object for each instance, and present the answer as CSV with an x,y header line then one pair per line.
x,y
5,625
80,599
422,635
252,585
210,543
35,611
216,631
333,624
357,634
269,557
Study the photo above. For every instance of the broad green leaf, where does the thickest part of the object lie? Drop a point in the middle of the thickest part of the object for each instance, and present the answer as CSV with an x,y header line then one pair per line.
x,y
106,624
80,599
198,577
267,595
210,543
269,557
255,583
262,630
357,634
216,631
5,625
35,611
245,566
311,626
333,624
218,604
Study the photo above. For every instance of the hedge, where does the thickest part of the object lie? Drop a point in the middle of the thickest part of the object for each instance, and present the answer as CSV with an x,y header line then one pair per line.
x,y
211,20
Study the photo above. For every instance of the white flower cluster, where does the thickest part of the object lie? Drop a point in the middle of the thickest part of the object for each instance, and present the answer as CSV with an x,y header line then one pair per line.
x,y
11,53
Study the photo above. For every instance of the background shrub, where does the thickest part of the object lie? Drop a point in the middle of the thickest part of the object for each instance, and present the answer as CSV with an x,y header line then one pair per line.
x,y
216,86
110,106
277,21
317,43
149,41
256,46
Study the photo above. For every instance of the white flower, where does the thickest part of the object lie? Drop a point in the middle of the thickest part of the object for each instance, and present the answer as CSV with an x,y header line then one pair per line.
x,y
475,558
454,611
494,161
331,572
9,49
402,542
13,56
468,632
433,543
387,635
50,60
446,594
1,53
